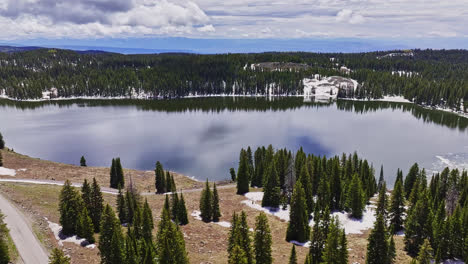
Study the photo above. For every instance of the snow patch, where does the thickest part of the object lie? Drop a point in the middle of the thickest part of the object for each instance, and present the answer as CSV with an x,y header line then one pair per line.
x,y
7,172
325,88
356,226
196,215
57,230
254,197
394,98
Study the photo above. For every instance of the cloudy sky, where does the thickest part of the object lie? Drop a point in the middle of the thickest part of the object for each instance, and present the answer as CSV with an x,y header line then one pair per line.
x,y
23,20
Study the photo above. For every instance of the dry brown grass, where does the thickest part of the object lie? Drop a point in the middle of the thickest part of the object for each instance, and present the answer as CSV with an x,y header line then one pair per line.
x,y
205,242
49,170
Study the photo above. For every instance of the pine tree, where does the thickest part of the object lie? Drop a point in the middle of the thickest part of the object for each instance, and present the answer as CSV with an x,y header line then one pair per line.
x,y
335,187
377,246
397,207
120,180
319,235
2,142
57,257
410,179
111,238
70,207
456,231
237,256
382,202
97,205
262,240
416,226
232,171
344,248
292,256
425,253
272,191
243,174
170,241
132,249
168,182
391,251
206,204
244,238
113,175
83,161
259,168
239,239
85,227
355,198
122,208
381,179
182,211
86,193
215,207
304,178
233,237
160,181
333,253
174,206
298,227
147,223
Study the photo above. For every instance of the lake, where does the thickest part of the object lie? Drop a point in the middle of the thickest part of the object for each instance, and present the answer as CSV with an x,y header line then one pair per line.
x,y
202,137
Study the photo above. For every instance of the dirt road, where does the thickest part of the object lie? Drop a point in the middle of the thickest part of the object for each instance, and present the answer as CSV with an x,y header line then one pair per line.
x,y
29,247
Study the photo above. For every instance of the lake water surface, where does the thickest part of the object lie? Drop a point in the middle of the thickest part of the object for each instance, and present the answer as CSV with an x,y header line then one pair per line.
x,y
202,137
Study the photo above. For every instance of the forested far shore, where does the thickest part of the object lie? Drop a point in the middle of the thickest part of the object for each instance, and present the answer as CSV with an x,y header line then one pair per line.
x,y
430,77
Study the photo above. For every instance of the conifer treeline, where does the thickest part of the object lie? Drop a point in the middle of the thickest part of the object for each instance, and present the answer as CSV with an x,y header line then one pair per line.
x,y
339,183
434,224
209,204
431,77
164,182
438,212
83,213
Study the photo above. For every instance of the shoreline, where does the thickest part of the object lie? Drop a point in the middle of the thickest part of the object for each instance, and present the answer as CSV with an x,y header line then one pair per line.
x,y
387,98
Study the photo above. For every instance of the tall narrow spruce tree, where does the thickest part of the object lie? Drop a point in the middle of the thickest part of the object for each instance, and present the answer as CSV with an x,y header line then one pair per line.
x,y
377,247
215,207
298,227
160,181
355,198
262,240
182,211
83,161
111,238
97,205
397,208
243,173
206,203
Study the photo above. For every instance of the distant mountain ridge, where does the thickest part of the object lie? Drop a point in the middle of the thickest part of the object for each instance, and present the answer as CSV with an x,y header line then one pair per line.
x,y
91,49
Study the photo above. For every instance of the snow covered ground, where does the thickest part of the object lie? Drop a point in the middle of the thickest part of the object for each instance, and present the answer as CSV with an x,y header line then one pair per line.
x,y
7,172
325,88
351,225
57,230
393,98
356,226
196,215
254,200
